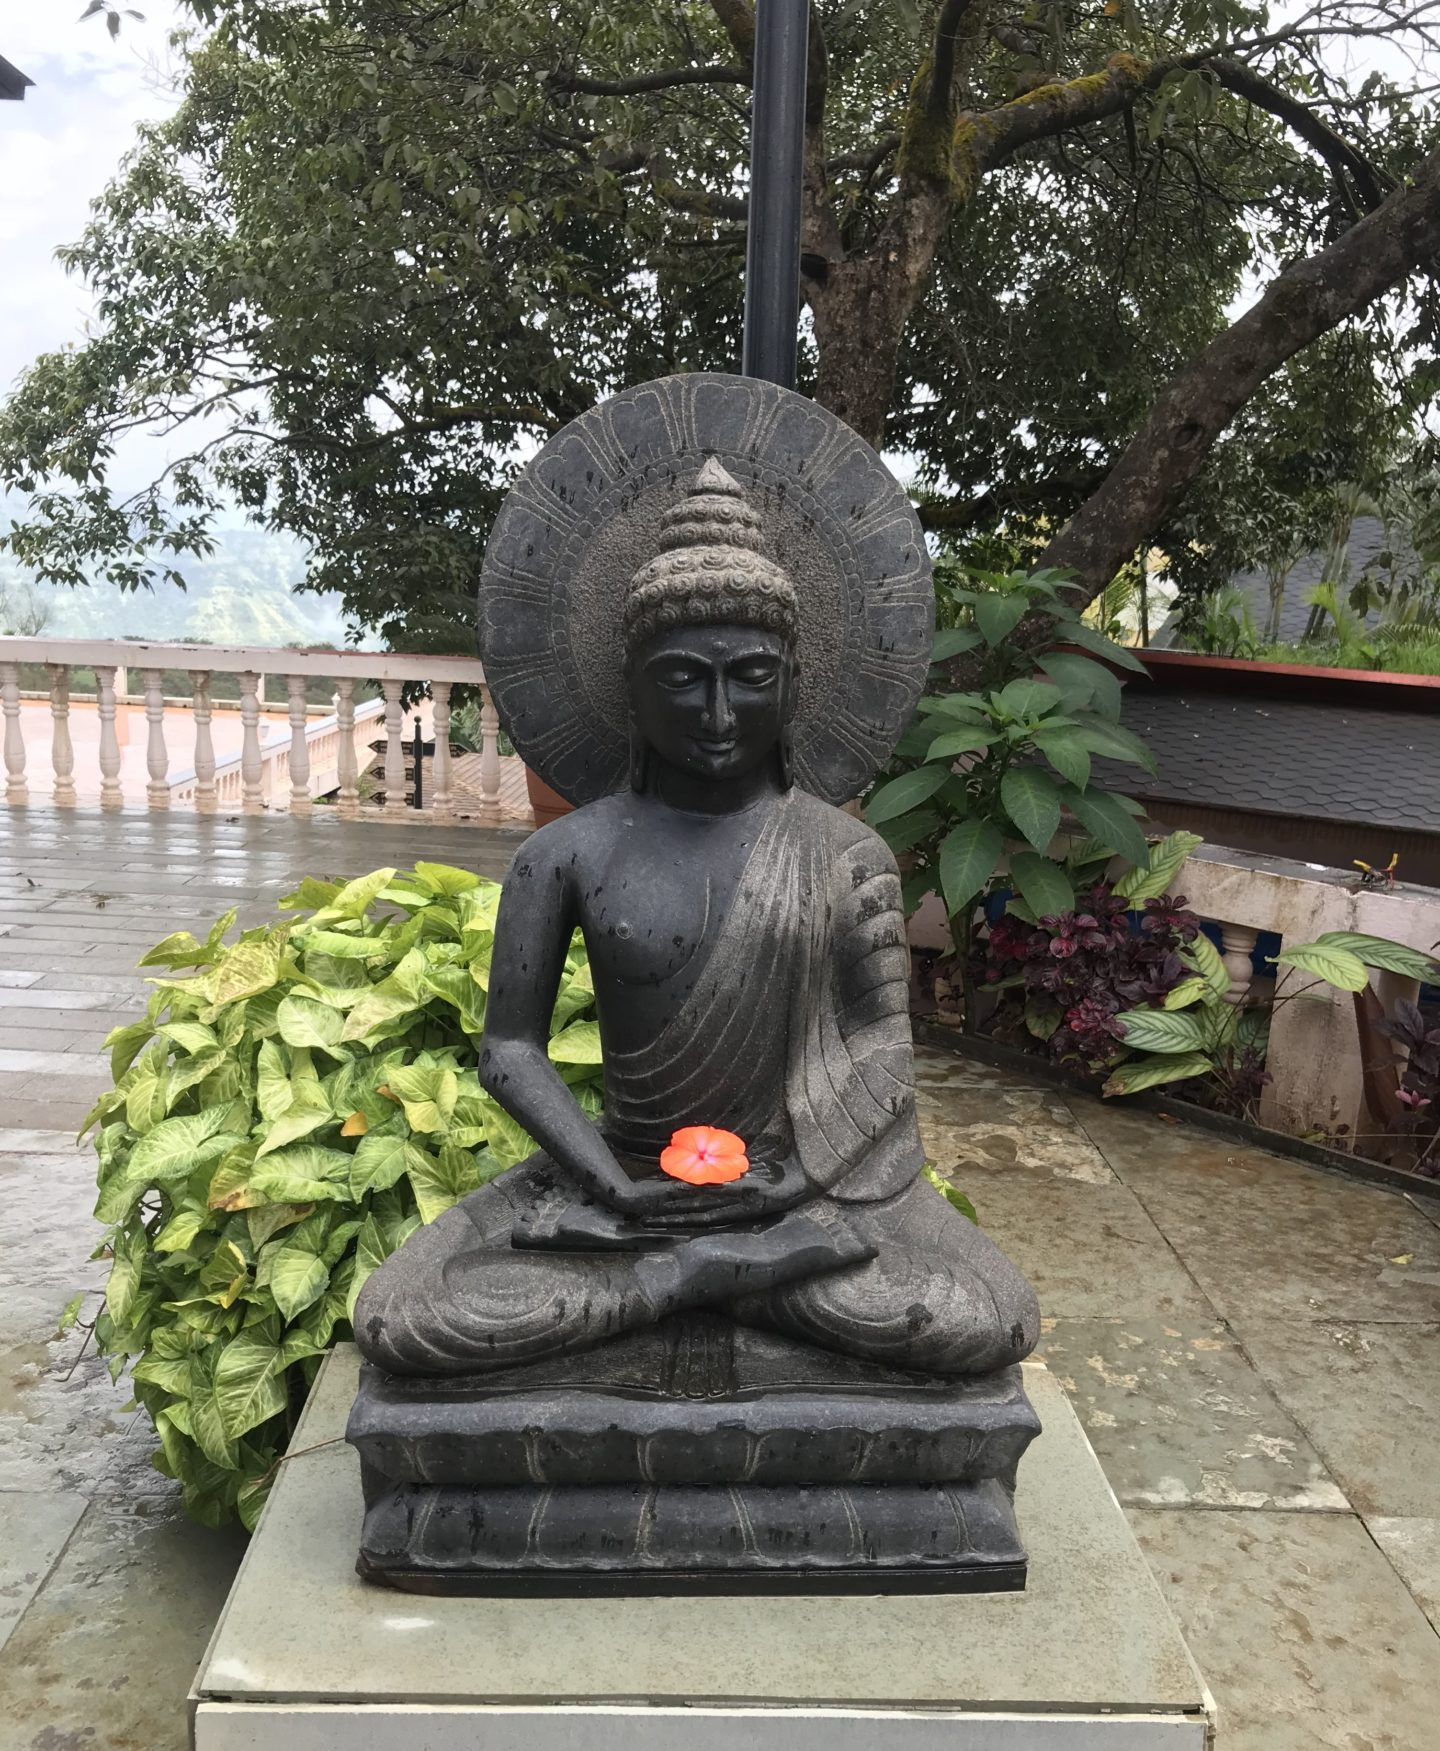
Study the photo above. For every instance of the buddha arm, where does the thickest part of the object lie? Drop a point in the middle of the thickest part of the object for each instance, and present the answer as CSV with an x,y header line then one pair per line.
x,y
532,935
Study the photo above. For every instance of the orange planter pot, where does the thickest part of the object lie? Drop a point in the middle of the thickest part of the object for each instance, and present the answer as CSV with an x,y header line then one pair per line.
x,y
545,804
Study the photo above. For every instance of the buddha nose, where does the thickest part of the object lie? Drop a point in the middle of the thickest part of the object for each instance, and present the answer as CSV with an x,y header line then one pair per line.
x,y
719,715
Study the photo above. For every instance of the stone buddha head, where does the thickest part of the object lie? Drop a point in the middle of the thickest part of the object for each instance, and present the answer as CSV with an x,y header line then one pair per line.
x,y
711,625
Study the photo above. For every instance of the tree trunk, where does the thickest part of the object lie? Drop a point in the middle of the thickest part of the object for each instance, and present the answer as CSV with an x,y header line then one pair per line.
x,y
860,316
1300,304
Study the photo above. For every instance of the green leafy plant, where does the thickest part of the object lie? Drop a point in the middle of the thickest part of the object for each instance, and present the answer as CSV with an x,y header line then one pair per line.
x,y
293,1105
984,776
1197,1032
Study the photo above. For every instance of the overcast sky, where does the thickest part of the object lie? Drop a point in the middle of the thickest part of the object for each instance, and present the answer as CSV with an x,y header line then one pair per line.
x,y
59,148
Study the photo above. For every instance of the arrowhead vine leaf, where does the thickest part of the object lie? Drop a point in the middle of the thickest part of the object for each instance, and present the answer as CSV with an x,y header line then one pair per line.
x,y
293,1105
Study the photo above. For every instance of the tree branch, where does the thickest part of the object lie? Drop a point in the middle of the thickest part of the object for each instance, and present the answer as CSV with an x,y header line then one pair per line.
x,y
1308,299
573,82
1343,159
738,20
943,56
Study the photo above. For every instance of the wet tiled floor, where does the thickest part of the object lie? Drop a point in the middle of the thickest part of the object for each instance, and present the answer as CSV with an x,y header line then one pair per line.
x,y
1252,1345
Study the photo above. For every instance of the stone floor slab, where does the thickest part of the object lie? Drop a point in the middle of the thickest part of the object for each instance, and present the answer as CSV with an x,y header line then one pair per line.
x,y
1178,1416
1368,1396
1031,1130
103,1658
1413,1547
1327,1248
1305,1633
34,1525
1090,1250
61,1416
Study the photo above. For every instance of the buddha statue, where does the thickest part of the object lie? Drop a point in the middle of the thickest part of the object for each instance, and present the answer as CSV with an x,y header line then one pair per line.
x,y
748,950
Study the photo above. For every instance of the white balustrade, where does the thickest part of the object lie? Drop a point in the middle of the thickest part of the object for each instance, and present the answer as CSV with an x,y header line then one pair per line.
x,y
299,755
394,745
349,797
62,753
16,789
204,744
112,795
280,764
440,711
157,759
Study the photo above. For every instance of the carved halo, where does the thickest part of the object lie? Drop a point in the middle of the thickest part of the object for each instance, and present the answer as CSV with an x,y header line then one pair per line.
x,y
586,514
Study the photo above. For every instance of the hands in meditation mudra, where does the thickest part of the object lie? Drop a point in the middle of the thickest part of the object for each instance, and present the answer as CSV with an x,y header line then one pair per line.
x,y
748,949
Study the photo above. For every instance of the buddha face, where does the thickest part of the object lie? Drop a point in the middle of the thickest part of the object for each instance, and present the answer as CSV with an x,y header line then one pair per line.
x,y
712,701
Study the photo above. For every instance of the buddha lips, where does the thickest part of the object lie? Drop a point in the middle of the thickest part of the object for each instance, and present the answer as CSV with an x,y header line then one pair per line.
x,y
702,1155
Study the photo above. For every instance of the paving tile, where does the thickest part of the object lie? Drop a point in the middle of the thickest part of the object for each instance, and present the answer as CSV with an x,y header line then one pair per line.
x,y
1368,1396
103,1659
12,977
1305,1634
53,995
42,1112
1179,1418
1413,1547
62,1419
1149,1153
34,1525
1306,1244
1091,1251
1006,1127
47,1226
40,1063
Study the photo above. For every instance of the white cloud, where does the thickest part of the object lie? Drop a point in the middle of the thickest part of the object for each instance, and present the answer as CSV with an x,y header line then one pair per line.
x,y
58,149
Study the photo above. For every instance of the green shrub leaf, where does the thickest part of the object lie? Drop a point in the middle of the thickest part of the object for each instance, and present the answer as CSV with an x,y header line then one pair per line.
x,y
1381,953
907,791
248,1389
1043,885
1336,966
1157,1030
1141,1073
968,857
1032,802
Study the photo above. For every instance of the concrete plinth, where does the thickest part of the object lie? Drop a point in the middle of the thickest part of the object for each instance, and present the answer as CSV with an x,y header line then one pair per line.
x,y
309,1657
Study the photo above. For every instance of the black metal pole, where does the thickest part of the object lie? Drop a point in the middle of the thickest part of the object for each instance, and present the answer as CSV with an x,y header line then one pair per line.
x,y
419,747
777,168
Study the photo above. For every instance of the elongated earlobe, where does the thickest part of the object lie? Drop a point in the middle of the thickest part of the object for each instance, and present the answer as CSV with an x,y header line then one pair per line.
x,y
639,761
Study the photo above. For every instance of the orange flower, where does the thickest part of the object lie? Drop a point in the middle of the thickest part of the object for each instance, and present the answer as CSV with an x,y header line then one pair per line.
x,y
702,1155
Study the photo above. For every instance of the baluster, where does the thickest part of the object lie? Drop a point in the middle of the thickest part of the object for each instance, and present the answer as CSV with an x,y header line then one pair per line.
x,y
157,759
394,746
205,793
1239,942
299,746
62,754
489,756
440,803
345,762
111,794
250,797
16,789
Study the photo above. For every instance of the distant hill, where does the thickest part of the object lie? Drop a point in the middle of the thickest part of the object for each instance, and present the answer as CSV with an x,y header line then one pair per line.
x,y
243,594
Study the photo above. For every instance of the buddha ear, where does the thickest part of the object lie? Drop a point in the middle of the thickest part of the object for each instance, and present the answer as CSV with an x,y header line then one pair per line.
x,y
786,750
639,760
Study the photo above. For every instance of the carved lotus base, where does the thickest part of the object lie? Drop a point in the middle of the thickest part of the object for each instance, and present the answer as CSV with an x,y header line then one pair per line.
x,y
699,1456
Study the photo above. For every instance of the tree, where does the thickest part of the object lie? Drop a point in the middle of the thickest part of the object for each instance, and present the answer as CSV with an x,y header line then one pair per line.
x,y
384,245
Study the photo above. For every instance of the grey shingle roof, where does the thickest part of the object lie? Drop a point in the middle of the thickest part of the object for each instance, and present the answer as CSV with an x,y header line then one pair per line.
x,y
1317,760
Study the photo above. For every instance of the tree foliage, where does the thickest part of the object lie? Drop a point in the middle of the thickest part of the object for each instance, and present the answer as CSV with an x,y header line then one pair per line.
x,y
383,247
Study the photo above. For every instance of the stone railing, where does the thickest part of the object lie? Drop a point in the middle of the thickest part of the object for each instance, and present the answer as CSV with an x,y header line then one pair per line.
x,y
286,770
1314,1060
1314,1057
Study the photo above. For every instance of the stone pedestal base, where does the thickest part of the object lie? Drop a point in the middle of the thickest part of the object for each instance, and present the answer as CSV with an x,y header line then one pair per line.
x,y
696,1456
308,1657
